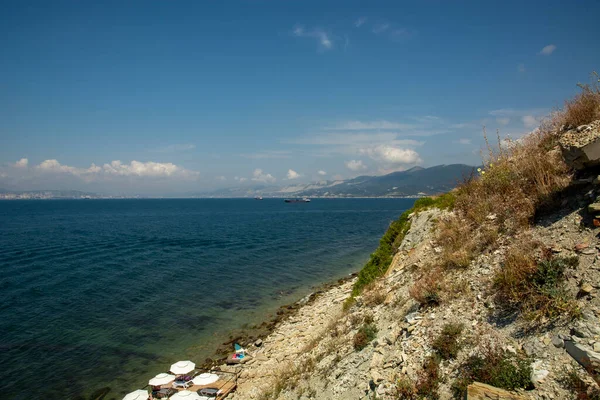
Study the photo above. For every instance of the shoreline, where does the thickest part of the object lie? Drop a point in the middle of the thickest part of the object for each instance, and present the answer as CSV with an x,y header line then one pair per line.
x,y
261,331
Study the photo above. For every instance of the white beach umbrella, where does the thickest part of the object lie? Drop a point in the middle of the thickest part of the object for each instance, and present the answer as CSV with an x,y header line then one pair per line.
x,y
186,395
137,395
161,379
205,379
182,367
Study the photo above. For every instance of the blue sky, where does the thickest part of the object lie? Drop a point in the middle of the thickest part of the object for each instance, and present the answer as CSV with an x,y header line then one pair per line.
x,y
174,96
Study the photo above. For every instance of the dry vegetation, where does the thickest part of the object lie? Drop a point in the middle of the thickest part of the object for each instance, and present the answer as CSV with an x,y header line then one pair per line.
x,y
494,367
516,180
532,281
428,289
585,107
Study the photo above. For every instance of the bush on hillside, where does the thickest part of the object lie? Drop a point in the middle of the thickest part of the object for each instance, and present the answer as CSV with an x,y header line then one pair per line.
x,y
447,344
364,336
427,290
535,288
582,390
493,367
585,107
381,259
429,379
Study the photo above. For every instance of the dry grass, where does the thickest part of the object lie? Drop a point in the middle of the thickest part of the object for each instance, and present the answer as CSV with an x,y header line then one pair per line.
x,y
428,290
518,178
535,286
585,107
429,379
374,295
582,390
447,344
493,367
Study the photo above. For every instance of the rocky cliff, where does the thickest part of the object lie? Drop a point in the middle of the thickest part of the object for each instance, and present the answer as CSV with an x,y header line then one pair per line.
x,y
521,314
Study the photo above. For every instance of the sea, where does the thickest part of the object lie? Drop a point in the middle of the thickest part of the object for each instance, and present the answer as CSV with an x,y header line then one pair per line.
x,y
107,293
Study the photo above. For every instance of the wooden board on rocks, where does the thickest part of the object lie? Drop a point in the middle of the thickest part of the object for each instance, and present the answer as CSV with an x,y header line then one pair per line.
x,y
481,391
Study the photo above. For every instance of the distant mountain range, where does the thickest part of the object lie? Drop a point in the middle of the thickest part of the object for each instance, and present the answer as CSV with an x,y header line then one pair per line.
x,y
46,194
416,181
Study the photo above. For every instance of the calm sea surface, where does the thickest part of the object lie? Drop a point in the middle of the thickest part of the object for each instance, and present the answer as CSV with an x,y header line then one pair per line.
x,y
97,293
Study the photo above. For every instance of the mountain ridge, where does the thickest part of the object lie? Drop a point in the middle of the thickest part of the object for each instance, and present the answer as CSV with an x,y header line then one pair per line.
x,y
414,182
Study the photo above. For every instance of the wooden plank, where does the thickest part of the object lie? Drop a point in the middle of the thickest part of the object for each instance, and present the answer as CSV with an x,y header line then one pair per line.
x,y
481,391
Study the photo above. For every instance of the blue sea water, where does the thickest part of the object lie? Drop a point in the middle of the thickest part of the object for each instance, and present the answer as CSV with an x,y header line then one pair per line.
x,y
97,293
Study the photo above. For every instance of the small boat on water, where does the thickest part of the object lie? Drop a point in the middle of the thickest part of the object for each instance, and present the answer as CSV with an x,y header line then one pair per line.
x,y
302,200
258,198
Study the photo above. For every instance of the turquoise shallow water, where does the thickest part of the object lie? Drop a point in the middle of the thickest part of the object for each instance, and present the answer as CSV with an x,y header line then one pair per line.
x,y
98,293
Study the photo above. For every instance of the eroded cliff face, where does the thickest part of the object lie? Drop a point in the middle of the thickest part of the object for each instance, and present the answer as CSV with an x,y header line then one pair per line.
x,y
316,354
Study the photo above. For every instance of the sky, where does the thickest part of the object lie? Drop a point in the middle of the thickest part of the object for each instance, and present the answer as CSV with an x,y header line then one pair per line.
x,y
173,97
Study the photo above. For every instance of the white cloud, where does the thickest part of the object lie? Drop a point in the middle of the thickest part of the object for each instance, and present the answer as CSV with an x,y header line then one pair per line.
x,y
174,148
268,154
521,68
392,155
259,176
117,169
355,165
380,28
464,141
291,174
547,50
237,178
322,37
220,178
370,125
359,22
530,121
398,34
322,173
503,120
22,163
512,112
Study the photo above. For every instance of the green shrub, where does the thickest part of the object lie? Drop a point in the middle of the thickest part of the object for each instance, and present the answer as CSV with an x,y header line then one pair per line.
x,y
494,367
381,259
364,336
429,379
447,345
406,389
427,290
537,289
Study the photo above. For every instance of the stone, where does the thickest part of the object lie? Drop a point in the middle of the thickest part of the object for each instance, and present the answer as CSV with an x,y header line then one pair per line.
x,y
597,347
377,360
586,357
481,391
547,341
585,289
583,128
581,246
376,376
594,208
258,343
581,149
538,373
580,331
412,318
558,342
529,349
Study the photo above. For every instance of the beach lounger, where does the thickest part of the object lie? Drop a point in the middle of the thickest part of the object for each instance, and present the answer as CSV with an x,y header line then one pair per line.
x,y
164,393
182,384
209,392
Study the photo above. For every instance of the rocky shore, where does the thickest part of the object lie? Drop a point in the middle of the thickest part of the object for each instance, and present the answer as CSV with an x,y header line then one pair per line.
x,y
314,353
